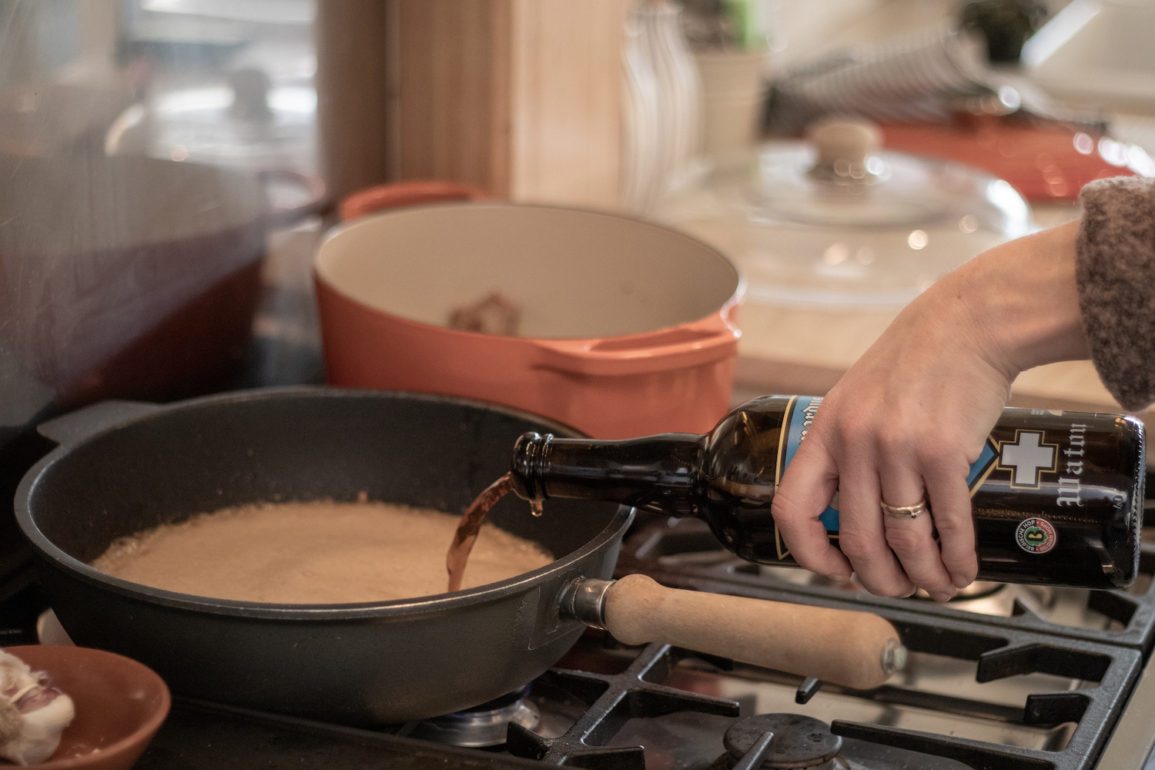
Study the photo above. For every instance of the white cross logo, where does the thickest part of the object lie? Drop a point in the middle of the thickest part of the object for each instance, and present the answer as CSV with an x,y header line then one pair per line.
x,y
1026,457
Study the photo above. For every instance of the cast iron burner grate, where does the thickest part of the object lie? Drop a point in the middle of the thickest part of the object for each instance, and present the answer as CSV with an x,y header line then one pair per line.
x,y
1125,617
1107,674
612,700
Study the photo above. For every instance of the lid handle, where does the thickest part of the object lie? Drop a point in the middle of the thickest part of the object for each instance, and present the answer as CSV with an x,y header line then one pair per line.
x,y
847,150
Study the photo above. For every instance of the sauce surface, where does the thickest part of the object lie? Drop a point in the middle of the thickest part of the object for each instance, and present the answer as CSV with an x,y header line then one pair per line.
x,y
314,553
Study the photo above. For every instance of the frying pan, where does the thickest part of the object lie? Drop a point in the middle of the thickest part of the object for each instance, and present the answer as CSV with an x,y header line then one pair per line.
x,y
122,467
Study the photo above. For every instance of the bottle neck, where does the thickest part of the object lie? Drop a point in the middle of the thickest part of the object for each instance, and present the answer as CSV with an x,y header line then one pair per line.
x,y
657,473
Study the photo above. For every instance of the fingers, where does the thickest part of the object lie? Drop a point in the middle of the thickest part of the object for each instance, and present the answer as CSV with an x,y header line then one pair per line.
x,y
861,535
950,500
805,492
868,462
912,539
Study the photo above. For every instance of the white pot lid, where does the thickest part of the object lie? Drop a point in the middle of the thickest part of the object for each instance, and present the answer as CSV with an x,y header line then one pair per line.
x,y
838,221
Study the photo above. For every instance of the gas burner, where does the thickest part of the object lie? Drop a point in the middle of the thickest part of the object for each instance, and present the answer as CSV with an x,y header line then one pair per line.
x,y
483,726
782,741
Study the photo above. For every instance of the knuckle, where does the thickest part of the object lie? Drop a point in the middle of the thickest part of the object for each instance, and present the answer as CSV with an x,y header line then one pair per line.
x,y
881,587
963,563
893,442
808,561
785,507
851,426
930,578
802,558
957,464
945,461
953,528
905,540
858,548
928,450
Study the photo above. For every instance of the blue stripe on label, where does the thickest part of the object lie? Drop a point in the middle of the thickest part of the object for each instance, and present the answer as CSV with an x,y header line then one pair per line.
x,y
805,407
986,458
802,415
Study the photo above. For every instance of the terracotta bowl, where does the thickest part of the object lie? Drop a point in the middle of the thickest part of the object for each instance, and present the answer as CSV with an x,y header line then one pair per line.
x,y
120,704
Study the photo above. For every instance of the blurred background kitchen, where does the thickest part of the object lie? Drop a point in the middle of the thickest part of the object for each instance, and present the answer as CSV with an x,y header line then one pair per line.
x,y
168,167
204,195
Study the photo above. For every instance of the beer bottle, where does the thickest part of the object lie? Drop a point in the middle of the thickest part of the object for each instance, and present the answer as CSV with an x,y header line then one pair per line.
x,y
1057,496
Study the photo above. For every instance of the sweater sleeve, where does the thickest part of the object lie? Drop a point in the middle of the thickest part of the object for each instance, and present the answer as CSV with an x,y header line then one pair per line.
x,y
1116,278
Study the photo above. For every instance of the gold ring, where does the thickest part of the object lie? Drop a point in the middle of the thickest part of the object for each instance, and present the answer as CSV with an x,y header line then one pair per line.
x,y
905,511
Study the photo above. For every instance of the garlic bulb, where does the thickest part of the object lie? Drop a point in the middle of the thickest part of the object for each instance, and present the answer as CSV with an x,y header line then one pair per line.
x,y
33,713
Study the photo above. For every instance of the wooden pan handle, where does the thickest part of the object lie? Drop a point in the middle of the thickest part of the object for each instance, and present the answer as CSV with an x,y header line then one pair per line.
x,y
858,650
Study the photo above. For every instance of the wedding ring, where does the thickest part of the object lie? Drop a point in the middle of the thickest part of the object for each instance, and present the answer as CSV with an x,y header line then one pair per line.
x,y
905,511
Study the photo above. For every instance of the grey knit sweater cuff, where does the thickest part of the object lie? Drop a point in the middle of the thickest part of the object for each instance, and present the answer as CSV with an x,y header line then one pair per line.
x,y
1116,276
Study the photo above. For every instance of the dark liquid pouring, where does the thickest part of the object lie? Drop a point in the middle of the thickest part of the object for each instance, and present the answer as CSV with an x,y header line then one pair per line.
x,y
470,525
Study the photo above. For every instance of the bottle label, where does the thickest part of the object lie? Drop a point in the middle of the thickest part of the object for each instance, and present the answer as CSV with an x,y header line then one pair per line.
x,y
1024,459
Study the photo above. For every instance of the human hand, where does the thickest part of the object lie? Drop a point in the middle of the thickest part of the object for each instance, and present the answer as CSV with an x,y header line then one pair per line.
x,y
904,424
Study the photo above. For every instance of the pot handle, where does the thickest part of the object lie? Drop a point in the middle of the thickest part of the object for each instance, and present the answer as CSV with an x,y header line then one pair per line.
x,y
705,341
859,650
286,216
404,194
74,426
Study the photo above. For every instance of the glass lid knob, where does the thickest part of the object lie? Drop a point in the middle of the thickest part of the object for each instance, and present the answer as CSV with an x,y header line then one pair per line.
x,y
847,151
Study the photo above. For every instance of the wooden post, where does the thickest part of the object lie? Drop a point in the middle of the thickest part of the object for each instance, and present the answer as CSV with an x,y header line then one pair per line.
x,y
352,93
520,97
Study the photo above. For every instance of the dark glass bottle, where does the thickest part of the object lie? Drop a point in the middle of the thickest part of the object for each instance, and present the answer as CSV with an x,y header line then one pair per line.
x,y
1057,496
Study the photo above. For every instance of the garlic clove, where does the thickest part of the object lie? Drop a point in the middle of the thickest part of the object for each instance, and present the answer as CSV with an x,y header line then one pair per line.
x,y
33,713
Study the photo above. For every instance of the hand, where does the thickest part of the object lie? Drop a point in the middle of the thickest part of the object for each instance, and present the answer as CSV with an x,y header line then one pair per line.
x,y
905,422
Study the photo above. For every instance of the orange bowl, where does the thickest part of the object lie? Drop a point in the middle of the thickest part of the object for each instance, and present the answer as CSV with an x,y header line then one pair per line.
x,y
120,704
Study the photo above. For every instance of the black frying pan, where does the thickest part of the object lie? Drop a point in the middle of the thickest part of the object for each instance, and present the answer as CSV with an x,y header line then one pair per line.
x,y
123,467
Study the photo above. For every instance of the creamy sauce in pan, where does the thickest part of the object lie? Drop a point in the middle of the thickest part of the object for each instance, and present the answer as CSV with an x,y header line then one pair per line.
x,y
314,553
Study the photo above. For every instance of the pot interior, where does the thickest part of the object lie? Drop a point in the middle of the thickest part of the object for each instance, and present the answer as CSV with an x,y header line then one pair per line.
x,y
307,445
572,273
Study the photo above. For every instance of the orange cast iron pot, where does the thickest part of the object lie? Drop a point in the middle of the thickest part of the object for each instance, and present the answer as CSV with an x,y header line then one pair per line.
x,y
626,328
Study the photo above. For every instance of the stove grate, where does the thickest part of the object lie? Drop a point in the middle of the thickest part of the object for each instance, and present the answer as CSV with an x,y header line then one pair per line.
x,y
613,699
1106,674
